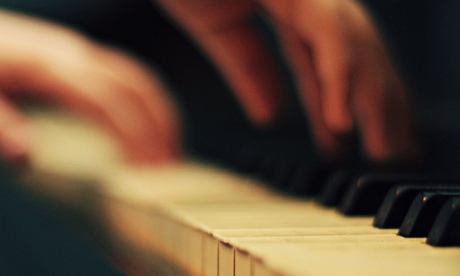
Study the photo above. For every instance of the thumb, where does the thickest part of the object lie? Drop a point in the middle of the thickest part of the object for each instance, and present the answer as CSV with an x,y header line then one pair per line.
x,y
15,142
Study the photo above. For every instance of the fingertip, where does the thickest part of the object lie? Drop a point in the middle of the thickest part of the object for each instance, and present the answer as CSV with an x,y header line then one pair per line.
x,y
155,151
262,116
154,157
16,144
338,122
405,150
336,106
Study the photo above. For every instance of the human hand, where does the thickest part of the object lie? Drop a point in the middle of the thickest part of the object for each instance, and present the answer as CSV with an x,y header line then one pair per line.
x,y
342,67
43,61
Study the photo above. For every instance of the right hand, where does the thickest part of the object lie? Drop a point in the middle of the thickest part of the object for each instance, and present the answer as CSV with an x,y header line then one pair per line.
x,y
343,70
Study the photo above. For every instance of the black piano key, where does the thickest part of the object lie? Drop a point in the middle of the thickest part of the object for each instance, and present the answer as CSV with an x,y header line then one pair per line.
x,y
337,183
309,177
364,195
278,162
335,186
235,148
282,174
218,145
277,170
267,164
446,228
246,158
399,198
239,149
422,213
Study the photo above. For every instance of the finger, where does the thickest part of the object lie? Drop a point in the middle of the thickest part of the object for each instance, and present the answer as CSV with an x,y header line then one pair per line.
x,y
226,34
15,134
299,56
380,102
383,113
246,64
317,23
151,94
89,87
65,67
334,73
371,115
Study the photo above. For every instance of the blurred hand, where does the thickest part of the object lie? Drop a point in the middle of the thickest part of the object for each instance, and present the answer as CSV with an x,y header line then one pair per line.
x,y
342,67
40,60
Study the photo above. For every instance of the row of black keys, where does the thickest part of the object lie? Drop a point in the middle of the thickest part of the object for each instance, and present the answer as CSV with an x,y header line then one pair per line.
x,y
419,204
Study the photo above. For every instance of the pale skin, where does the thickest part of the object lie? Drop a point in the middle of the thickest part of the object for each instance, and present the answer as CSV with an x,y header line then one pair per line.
x,y
343,70
57,65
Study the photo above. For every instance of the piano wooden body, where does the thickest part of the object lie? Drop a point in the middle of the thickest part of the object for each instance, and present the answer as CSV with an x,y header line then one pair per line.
x,y
196,219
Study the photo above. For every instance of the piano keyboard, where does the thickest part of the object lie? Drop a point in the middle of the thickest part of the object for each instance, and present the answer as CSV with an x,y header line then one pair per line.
x,y
196,219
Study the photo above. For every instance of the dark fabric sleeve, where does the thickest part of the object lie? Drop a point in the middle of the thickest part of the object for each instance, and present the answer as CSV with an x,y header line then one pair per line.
x,y
34,241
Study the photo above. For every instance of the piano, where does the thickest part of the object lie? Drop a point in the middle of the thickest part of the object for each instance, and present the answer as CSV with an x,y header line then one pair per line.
x,y
199,218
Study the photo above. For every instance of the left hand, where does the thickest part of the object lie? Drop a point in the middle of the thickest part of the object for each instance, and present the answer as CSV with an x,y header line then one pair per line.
x,y
52,63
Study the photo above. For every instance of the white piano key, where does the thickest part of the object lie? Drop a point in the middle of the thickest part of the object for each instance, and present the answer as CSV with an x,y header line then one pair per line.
x,y
206,220
242,263
226,260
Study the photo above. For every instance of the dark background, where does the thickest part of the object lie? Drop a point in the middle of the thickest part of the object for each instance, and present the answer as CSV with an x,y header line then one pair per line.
x,y
423,35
